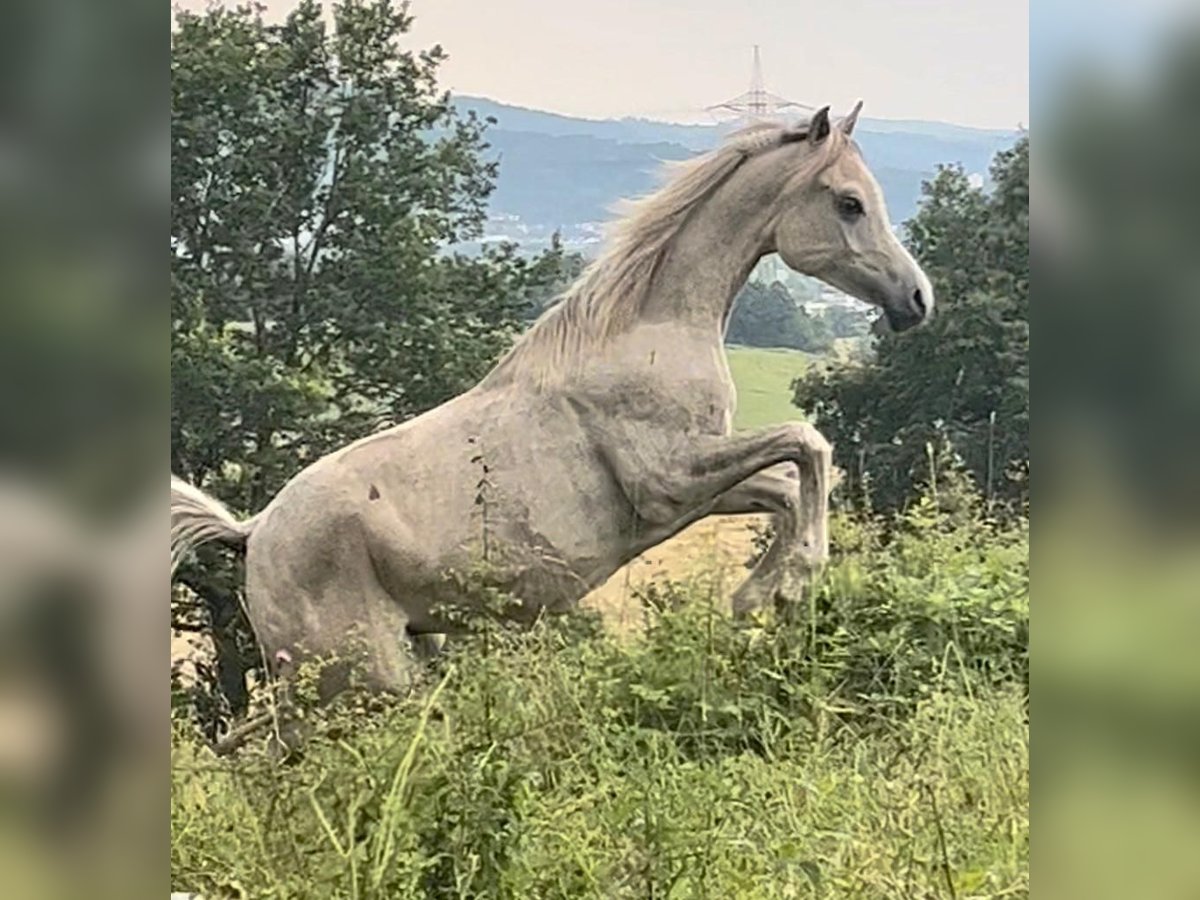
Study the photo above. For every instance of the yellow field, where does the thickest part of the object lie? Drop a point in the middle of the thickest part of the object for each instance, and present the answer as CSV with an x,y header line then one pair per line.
x,y
713,550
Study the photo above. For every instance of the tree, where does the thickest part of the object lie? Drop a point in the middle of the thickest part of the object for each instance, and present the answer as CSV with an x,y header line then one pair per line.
x,y
847,321
554,272
767,316
318,181
964,377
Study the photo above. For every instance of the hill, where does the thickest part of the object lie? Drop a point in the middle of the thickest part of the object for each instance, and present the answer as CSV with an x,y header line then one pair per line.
x,y
564,172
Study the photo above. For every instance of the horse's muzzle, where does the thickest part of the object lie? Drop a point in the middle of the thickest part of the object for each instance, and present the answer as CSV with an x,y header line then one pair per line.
x,y
911,311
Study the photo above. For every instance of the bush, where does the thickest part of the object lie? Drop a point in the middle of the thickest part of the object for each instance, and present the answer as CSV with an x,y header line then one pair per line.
x,y
877,748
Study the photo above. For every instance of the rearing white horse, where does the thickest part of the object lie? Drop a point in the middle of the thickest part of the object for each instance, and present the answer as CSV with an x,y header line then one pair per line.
x,y
605,430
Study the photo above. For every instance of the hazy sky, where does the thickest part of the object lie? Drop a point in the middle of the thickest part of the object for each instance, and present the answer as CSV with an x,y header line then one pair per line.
x,y
962,61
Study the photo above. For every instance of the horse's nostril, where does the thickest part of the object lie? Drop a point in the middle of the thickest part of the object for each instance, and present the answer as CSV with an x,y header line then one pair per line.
x,y
919,301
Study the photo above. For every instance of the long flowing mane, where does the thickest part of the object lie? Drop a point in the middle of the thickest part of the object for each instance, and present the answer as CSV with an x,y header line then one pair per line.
x,y
607,297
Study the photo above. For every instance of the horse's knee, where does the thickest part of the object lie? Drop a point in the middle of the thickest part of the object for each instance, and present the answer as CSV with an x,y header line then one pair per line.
x,y
811,445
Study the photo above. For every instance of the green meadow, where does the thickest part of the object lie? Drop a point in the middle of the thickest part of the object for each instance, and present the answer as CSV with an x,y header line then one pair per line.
x,y
764,377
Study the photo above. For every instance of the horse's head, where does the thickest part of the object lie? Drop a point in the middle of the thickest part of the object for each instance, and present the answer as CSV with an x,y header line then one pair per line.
x,y
833,225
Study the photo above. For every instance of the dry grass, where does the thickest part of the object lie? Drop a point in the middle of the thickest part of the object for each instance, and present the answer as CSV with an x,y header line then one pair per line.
x,y
718,546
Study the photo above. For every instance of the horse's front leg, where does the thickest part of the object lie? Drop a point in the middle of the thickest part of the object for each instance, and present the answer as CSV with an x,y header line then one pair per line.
x,y
799,507
740,474
673,480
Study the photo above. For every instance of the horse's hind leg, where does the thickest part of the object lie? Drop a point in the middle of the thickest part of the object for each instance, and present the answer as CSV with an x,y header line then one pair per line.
x,y
373,663
427,645
322,640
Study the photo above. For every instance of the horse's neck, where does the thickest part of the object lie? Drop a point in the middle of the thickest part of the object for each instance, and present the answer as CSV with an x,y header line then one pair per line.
x,y
710,259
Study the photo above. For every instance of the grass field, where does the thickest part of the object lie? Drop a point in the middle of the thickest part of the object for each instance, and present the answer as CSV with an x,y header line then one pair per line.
x,y
763,377
876,750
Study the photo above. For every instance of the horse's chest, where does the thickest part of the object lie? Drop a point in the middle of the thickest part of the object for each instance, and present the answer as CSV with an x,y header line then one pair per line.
x,y
679,380
706,401
689,405
713,411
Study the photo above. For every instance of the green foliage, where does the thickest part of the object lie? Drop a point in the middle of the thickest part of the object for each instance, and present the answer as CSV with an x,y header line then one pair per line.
x,y
875,749
964,377
318,178
768,316
554,272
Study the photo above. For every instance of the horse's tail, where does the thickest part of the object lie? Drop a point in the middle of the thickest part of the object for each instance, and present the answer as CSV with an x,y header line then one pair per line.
x,y
197,518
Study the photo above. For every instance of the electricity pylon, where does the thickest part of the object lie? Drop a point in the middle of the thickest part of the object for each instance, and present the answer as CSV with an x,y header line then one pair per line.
x,y
757,104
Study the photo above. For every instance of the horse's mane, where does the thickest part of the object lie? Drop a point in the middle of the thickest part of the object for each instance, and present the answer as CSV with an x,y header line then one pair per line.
x,y
607,297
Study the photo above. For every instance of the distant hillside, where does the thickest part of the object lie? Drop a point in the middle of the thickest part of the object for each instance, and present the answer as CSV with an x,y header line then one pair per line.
x,y
699,137
628,131
559,170
558,180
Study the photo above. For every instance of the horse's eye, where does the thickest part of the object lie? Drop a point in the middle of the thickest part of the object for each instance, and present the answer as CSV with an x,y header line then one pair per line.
x,y
850,207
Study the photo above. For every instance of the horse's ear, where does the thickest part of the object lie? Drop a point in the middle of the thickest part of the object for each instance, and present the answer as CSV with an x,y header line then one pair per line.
x,y
818,126
847,124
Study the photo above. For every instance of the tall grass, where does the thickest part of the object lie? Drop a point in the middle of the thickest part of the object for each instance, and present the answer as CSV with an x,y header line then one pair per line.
x,y
877,748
